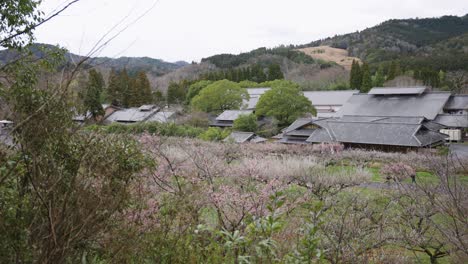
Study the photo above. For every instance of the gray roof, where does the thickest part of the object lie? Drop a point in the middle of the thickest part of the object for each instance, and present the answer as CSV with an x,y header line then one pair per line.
x,y
146,107
457,102
427,105
254,96
335,98
257,91
161,117
452,120
258,139
397,90
399,131
231,115
240,137
131,115
297,124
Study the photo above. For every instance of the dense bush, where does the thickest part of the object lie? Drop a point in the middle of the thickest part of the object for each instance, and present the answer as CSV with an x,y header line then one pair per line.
x,y
155,128
214,134
246,123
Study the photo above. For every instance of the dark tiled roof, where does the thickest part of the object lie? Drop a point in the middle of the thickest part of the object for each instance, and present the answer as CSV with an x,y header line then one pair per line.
x,y
452,120
332,98
457,102
239,137
397,90
427,105
401,131
231,115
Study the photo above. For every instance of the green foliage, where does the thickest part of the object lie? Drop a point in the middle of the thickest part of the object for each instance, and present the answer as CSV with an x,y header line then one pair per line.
x,y
246,123
18,21
142,90
378,79
355,79
127,91
214,134
366,84
92,94
220,96
194,90
255,73
274,72
154,128
231,61
285,103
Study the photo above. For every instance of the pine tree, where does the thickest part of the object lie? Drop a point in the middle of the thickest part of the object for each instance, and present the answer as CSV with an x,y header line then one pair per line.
x,y
92,94
366,84
274,72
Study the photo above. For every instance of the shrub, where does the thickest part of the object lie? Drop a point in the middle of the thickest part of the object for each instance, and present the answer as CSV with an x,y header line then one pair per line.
x,y
214,134
397,171
246,123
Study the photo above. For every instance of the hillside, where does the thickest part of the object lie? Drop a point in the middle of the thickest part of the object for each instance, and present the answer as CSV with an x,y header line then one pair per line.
x,y
423,40
154,67
326,53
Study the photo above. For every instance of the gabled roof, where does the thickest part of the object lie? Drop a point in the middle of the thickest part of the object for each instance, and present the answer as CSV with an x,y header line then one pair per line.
x,y
298,124
161,117
332,98
397,90
240,137
254,96
231,115
131,115
457,102
396,131
427,105
452,120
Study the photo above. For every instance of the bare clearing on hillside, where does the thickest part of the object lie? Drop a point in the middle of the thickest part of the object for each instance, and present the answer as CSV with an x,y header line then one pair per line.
x,y
326,53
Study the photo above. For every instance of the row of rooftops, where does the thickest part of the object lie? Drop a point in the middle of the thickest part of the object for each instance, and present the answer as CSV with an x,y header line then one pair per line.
x,y
407,117
144,113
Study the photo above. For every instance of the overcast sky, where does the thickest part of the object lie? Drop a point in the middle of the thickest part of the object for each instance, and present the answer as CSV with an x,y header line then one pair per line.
x,y
190,30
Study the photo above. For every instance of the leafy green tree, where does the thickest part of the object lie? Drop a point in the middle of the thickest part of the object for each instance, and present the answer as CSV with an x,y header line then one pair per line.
x,y
220,96
18,21
92,94
274,72
355,80
214,134
248,84
195,89
246,123
366,84
285,104
279,83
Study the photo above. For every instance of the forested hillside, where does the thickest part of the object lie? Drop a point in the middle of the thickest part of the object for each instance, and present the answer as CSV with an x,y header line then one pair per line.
x,y
154,67
432,42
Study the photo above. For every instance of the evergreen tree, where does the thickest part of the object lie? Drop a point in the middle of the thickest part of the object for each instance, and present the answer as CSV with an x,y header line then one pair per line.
x,y
124,88
379,78
92,94
274,72
366,84
355,79
142,90
257,74
113,92
394,70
